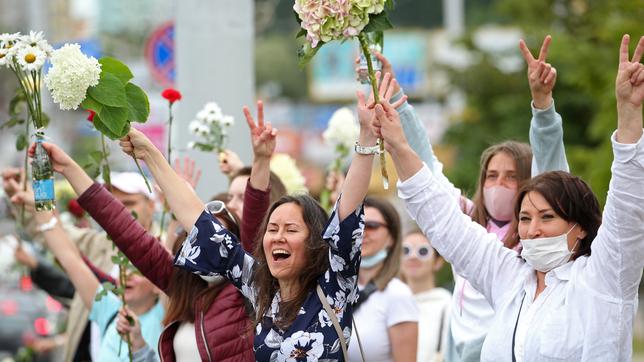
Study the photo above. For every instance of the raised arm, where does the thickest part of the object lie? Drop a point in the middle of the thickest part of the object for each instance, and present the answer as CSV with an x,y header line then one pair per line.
x,y
474,254
183,201
546,131
263,139
615,265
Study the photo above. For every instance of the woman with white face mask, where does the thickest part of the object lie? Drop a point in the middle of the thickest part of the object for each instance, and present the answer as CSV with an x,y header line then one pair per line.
x,y
571,295
503,168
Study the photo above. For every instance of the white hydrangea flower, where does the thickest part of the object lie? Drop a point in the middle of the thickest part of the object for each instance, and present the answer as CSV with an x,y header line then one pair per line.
x,y
286,169
31,58
71,74
342,129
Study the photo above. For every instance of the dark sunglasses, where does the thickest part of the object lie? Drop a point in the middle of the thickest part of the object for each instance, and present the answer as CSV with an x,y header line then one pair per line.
x,y
421,252
373,225
217,207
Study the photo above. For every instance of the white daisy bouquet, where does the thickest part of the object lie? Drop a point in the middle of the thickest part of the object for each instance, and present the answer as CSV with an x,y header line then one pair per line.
x,y
210,125
341,134
25,56
323,21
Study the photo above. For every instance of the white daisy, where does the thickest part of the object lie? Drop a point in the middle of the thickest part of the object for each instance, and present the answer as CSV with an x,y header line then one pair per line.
x,y
8,40
5,58
202,115
37,39
192,145
193,127
228,121
31,58
212,107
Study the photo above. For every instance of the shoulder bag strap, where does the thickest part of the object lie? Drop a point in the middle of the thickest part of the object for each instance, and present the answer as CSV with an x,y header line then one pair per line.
x,y
334,320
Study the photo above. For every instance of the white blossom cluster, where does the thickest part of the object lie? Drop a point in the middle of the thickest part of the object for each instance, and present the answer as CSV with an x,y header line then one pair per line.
x,y
285,167
342,129
72,72
210,125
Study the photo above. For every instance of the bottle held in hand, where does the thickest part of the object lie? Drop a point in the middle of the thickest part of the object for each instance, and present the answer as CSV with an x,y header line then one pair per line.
x,y
42,177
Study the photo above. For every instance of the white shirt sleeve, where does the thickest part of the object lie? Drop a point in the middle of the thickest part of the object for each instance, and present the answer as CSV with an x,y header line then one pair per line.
x,y
401,305
615,265
476,255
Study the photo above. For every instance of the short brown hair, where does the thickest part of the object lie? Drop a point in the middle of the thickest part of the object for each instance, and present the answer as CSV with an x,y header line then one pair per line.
x,y
571,198
391,264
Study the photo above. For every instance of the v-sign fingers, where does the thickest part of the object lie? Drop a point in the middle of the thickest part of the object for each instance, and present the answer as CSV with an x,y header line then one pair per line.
x,y
639,50
525,52
623,49
249,118
543,53
260,114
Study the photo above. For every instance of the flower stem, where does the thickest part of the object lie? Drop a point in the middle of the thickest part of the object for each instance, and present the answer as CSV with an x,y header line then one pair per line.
x,y
123,282
24,180
107,174
364,45
142,174
170,133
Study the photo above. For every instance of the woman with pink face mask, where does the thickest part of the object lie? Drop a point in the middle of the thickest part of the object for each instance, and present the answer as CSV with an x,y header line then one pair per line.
x,y
503,168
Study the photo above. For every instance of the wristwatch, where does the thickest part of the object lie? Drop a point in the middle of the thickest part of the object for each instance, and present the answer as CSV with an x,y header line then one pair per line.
x,y
367,150
48,225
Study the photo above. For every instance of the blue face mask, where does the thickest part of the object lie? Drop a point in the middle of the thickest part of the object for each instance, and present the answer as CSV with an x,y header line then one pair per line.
x,y
369,262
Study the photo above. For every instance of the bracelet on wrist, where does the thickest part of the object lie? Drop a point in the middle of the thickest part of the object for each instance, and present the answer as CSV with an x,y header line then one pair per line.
x,y
367,150
48,225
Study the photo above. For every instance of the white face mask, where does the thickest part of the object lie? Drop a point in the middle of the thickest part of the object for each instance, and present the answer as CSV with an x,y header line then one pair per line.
x,y
545,254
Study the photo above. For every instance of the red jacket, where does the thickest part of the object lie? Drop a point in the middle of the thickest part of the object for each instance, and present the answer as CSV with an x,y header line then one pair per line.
x,y
256,204
222,331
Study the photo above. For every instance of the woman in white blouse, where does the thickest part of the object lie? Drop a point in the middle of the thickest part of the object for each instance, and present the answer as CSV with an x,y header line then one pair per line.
x,y
571,294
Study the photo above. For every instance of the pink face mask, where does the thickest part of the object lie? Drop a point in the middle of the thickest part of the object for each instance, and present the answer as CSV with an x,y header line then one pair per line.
x,y
499,202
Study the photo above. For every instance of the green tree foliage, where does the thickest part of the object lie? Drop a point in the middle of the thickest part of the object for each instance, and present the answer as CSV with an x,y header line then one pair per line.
x,y
586,37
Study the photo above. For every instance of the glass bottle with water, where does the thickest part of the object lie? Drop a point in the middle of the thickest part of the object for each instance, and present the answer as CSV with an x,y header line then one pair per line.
x,y
375,44
42,177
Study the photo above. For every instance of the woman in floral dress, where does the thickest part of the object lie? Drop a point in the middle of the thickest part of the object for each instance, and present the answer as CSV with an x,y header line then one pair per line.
x,y
300,249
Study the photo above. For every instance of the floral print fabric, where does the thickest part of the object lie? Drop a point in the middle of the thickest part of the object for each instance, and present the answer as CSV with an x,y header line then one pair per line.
x,y
211,250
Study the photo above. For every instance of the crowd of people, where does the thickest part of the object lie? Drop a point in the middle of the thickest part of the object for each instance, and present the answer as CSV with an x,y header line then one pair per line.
x,y
541,273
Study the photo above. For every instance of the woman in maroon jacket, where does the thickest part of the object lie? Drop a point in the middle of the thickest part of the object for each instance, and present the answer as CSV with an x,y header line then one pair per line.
x,y
216,309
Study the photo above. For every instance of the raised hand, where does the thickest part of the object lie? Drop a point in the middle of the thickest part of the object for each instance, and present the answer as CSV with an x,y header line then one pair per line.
x,y
629,92
136,144
124,328
59,159
262,134
188,172
386,87
229,162
629,85
386,68
389,126
541,75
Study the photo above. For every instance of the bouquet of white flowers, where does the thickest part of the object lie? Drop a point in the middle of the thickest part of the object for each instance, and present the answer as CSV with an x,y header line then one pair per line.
x,y
285,167
210,125
323,21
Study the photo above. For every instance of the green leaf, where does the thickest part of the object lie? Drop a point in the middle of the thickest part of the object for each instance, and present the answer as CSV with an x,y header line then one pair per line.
x,y
300,33
108,286
379,22
92,170
116,68
109,91
14,104
134,215
115,259
21,142
115,118
97,156
390,4
101,127
90,103
306,53
12,122
138,103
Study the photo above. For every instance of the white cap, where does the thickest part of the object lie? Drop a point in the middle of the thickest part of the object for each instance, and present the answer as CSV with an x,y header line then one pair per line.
x,y
130,183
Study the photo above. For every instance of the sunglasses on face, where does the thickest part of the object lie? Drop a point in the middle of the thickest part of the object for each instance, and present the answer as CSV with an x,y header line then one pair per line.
x,y
373,225
217,207
423,252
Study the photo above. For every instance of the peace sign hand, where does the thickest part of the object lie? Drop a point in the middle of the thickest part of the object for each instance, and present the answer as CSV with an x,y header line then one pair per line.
x,y
541,75
263,135
629,85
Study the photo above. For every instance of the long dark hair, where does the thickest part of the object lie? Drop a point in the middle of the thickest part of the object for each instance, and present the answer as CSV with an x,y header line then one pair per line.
x,y
521,153
391,264
185,287
571,198
317,262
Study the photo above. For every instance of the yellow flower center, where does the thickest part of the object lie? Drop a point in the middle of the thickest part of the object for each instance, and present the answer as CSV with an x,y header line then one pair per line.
x,y
1,55
30,58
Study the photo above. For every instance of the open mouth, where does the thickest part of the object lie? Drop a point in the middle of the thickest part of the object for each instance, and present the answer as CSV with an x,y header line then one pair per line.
x,y
280,254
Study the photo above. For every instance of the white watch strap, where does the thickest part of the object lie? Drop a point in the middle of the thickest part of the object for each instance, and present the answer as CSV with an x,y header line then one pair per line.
x,y
48,225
